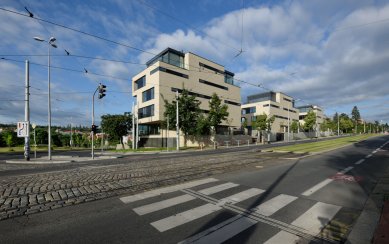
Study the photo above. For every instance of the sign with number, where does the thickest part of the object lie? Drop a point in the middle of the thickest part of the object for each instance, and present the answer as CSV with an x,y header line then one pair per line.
x,y
23,129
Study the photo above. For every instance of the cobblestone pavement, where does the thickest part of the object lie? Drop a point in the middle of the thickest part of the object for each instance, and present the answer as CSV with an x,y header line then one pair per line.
x,y
32,193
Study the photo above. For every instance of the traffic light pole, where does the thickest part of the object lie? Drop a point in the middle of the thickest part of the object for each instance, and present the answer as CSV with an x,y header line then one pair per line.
x,y
93,121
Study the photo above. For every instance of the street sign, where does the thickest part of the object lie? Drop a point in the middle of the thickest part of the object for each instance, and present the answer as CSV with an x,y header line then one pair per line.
x,y
23,129
33,126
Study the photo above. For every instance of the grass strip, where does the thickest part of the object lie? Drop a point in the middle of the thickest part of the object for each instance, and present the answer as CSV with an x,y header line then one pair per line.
x,y
323,145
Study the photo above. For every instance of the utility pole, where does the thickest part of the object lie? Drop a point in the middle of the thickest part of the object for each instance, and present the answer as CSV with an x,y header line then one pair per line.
x,y
133,126
27,112
338,123
288,124
93,121
167,134
177,124
137,126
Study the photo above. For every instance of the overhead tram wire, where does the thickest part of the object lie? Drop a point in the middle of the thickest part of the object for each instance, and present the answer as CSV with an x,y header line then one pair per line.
x,y
184,23
79,31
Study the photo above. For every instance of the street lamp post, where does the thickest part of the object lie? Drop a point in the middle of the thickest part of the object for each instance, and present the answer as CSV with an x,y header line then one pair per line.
x,y
51,43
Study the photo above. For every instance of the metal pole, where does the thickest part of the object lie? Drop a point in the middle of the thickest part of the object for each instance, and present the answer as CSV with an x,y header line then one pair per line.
x,y
102,139
167,134
133,126
93,121
288,124
27,113
71,132
177,124
34,144
338,124
49,103
137,127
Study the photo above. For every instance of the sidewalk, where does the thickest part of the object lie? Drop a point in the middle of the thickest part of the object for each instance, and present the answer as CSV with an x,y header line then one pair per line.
x,y
372,225
60,159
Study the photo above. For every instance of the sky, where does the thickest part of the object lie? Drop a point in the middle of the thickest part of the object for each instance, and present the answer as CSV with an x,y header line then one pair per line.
x,y
334,54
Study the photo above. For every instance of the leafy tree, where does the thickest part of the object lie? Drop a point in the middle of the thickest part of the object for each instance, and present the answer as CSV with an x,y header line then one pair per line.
x,y
11,139
294,126
116,126
261,122
217,111
41,136
188,110
327,124
356,116
203,126
310,121
2,141
345,123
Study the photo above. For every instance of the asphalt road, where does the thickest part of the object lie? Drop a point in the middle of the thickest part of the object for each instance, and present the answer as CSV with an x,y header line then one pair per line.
x,y
128,158
277,203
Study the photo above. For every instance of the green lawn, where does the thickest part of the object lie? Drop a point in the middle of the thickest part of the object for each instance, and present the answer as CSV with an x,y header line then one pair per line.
x,y
39,149
323,145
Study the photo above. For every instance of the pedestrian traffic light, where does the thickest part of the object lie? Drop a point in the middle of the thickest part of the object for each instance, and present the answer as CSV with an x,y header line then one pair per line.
x,y
102,91
94,128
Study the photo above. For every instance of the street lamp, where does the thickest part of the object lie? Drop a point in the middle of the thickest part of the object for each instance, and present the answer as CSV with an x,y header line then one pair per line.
x,y
51,43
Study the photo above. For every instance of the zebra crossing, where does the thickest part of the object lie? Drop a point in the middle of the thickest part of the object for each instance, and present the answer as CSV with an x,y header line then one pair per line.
x,y
308,225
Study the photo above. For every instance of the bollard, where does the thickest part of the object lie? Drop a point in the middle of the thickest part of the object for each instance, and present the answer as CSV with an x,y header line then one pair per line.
x,y
238,142
248,143
226,142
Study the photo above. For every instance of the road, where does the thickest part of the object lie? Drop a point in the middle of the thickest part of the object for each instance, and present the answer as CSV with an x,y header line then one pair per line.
x,y
257,198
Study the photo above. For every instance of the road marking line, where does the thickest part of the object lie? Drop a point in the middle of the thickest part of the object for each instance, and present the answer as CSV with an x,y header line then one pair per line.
x,y
198,212
235,225
168,189
312,220
149,208
346,170
360,161
368,156
218,188
325,182
317,187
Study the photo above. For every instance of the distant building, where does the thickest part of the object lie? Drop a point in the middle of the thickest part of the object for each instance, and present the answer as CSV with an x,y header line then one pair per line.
x,y
270,103
316,109
171,71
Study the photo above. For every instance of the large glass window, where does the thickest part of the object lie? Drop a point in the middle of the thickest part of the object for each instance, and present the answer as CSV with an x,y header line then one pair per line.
x,y
229,79
148,95
249,110
139,83
146,111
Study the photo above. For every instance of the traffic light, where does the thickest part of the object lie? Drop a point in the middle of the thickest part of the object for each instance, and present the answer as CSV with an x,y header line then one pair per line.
x,y
94,128
102,91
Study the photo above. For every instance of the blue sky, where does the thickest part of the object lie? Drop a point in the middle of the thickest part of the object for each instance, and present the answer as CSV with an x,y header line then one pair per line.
x,y
331,53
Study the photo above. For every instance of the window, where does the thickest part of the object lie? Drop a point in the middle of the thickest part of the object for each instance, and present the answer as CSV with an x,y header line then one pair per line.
x,y
253,118
169,71
213,84
229,79
271,105
192,93
249,110
141,82
146,111
231,103
286,99
169,56
148,95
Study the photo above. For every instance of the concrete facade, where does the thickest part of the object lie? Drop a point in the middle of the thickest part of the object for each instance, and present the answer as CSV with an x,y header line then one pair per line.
x,y
171,71
303,111
270,103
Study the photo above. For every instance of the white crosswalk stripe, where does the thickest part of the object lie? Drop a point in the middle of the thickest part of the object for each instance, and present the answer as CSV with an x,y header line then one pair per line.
x,y
168,189
308,224
312,220
235,225
181,199
198,212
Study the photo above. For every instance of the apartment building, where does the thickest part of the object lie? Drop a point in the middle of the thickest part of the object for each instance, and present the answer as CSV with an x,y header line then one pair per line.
x,y
271,103
303,111
171,71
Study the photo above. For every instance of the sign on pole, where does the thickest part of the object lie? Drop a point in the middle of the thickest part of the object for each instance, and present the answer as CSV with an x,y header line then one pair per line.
x,y
23,129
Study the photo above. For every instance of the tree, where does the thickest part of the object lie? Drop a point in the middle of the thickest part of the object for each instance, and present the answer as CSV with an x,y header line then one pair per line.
x,y
11,138
356,116
116,125
188,110
41,136
261,122
217,111
310,121
294,126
